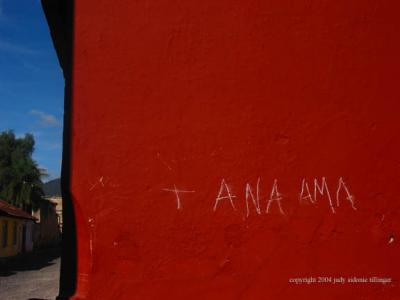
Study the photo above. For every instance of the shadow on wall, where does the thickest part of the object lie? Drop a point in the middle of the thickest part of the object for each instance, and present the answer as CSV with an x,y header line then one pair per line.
x,y
46,232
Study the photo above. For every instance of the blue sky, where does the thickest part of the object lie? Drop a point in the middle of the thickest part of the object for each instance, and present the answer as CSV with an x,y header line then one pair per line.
x,y
31,82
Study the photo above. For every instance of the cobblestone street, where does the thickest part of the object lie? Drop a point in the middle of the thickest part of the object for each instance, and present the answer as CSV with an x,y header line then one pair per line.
x,y
32,277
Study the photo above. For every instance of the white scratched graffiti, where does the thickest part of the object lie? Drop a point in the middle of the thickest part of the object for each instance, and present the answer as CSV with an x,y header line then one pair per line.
x,y
275,197
256,200
321,188
342,185
275,200
305,188
177,192
221,196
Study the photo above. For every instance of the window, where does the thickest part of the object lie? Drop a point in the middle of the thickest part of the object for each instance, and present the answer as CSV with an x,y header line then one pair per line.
x,y
15,233
5,234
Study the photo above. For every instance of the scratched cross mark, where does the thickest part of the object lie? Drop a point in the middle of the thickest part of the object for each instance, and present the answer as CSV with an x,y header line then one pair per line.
x,y
177,192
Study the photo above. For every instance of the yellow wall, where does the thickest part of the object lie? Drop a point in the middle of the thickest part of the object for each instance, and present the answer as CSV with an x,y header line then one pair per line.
x,y
11,249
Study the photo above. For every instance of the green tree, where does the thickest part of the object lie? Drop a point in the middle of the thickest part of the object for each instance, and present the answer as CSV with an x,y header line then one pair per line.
x,y
20,176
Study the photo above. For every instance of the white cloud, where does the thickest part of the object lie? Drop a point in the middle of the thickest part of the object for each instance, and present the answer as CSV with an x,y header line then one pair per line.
x,y
45,119
44,169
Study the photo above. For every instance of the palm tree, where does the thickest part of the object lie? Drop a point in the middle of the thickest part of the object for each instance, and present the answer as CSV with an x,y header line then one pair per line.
x,y
20,176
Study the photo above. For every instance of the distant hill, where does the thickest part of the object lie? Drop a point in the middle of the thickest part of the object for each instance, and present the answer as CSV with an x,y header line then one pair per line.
x,y
52,188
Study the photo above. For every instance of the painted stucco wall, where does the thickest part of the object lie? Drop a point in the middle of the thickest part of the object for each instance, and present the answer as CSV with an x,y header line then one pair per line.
x,y
11,248
179,109
47,232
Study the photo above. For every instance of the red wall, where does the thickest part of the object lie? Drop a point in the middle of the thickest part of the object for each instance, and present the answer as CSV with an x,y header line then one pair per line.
x,y
190,93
